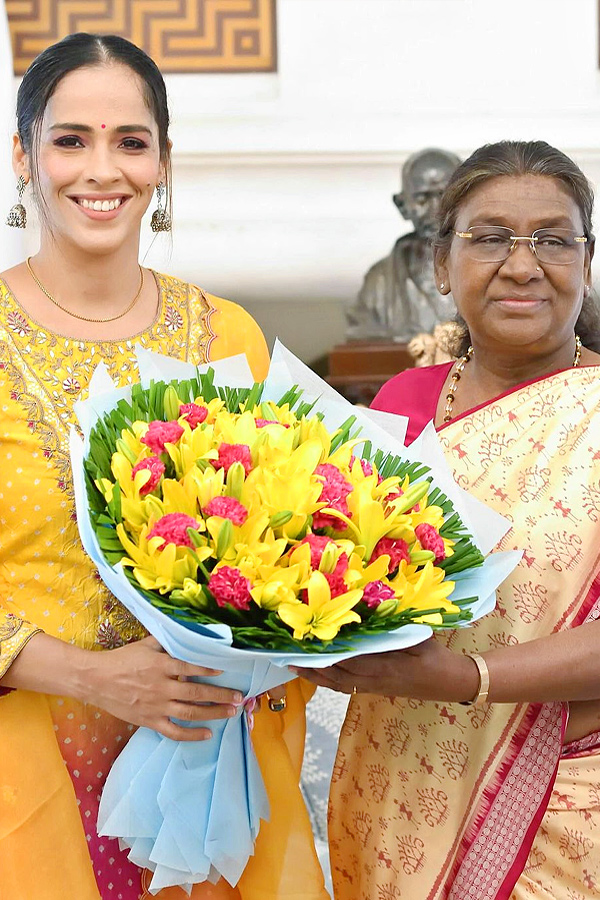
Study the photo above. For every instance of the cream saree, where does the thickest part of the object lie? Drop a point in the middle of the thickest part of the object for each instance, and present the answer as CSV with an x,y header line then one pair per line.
x,y
436,801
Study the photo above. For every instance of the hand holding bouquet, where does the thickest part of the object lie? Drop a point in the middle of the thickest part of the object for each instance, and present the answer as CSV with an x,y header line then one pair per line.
x,y
247,534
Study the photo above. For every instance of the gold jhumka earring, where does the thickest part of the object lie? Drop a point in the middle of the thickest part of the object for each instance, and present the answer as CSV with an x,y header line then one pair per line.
x,y
161,220
17,217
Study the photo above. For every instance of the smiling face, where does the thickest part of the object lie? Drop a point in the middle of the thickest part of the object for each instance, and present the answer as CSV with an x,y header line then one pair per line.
x,y
98,160
521,302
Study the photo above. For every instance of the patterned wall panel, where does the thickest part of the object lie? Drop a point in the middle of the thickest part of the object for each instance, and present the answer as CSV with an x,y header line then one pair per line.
x,y
180,35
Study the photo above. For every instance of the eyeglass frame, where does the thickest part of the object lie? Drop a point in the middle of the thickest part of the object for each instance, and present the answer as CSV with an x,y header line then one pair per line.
x,y
531,240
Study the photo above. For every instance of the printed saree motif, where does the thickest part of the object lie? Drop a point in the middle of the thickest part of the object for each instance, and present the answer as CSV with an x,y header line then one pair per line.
x,y
440,801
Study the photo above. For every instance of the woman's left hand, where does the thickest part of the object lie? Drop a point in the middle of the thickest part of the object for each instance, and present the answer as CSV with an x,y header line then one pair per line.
x,y
427,671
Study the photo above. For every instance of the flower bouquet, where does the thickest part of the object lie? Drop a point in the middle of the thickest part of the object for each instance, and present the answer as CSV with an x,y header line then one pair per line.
x,y
250,527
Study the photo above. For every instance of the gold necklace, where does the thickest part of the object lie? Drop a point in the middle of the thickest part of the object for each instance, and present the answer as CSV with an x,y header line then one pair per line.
x,y
460,365
69,312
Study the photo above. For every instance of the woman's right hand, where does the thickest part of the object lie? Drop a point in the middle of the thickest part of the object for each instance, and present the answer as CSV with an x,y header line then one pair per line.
x,y
141,684
138,683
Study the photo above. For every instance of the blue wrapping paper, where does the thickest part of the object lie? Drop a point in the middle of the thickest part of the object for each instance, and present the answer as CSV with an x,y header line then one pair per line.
x,y
190,812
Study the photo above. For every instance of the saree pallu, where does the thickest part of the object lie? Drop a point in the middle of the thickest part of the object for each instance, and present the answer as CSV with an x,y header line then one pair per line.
x,y
437,801
564,860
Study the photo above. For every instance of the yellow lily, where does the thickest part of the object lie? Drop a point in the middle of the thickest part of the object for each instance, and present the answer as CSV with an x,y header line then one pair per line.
x,y
277,586
361,575
368,521
322,616
203,485
160,569
213,406
313,430
194,444
190,594
290,487
428,590
271,412
235,428
342,456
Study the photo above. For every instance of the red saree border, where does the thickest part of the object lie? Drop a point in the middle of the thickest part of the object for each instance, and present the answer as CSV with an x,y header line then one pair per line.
x,y
505,826
470,833
520,862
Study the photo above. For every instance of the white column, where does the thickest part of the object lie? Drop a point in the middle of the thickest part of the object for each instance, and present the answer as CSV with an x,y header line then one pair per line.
x,y
11,239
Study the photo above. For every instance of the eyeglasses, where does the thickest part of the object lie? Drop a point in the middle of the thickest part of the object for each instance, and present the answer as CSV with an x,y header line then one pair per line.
x,y
495,243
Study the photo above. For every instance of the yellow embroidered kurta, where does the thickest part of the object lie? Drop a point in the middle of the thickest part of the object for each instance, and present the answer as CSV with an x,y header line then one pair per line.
x,y
56,752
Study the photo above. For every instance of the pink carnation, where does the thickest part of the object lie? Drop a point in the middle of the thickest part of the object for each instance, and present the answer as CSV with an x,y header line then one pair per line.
x,y
227,508
161,433
231,453
430,539
327,520
155,466
230,588
260,423
193,413
337,585
173,529
334,492
395,548
375,593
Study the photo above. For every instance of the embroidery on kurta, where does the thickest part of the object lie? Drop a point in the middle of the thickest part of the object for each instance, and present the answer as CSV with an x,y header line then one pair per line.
x,y
48,372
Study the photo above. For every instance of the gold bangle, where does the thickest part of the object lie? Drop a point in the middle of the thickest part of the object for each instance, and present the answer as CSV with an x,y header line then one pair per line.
x,y
484,681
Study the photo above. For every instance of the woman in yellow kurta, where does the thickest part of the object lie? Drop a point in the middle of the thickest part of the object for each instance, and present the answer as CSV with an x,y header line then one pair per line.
x,y
469,766
92,142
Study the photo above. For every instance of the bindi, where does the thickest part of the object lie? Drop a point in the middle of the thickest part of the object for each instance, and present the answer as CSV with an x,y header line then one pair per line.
x,y
103,125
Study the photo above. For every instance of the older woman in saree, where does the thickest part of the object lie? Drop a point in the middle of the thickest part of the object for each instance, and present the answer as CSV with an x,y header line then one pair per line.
x,y
469,766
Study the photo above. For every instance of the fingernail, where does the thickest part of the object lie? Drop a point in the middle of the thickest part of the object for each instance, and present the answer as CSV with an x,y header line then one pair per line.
x,y
237,697
231,712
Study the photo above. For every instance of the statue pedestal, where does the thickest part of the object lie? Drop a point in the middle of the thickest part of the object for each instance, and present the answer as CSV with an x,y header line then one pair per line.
x,y
359,368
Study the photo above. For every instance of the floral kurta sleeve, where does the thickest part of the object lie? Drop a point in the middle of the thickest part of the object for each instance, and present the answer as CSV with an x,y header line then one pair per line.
x,y
14,634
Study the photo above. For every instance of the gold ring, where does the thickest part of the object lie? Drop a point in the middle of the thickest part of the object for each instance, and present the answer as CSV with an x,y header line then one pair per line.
x,y
277,705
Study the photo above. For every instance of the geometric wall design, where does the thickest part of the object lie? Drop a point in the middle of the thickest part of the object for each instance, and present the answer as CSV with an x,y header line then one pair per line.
x,y
180,35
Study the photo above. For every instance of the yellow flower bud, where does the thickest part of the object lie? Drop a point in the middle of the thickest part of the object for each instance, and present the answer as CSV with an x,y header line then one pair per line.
x,y
272,594
126,451
224,539
410,497
281,518
328,558
387,608
235,480
419,557
171,403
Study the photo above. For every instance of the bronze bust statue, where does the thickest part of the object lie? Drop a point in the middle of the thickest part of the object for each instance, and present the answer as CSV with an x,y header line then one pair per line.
x,y
399,297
